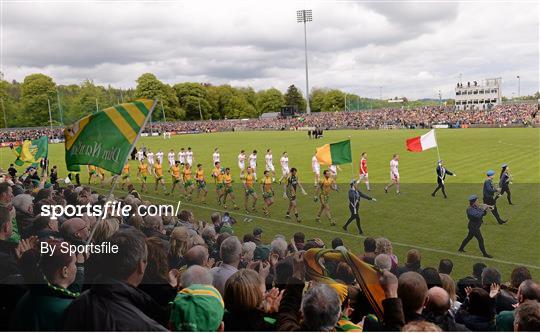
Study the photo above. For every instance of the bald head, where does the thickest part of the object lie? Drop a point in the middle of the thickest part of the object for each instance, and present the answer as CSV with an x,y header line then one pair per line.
x,y
438,300
196,275
197,255
412,289
529,290
75,229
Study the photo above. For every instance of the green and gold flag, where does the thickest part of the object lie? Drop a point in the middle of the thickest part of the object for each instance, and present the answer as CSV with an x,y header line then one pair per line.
x,y
105,138
32,151
335,153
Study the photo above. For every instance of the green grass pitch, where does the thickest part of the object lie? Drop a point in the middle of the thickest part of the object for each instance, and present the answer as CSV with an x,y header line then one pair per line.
x,y
414,219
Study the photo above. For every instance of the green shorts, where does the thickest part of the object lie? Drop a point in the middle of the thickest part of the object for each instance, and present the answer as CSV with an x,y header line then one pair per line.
x,y
201,184
91,173
125,176
250,191
159,178
144,178
188,183
228,189
175,180
219,186
268,195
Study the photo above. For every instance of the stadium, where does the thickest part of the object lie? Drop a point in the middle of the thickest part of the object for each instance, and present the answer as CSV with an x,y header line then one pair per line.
x,y
193,205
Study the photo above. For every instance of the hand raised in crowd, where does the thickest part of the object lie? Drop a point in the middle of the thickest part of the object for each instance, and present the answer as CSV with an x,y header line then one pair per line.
x,y
494,290
25,245
298,265
264,269
272,299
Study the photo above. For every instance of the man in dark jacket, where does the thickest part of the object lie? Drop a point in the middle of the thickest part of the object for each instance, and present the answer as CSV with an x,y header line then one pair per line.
x,y
475,214
441,176
490,196
114,303
436,311
354,206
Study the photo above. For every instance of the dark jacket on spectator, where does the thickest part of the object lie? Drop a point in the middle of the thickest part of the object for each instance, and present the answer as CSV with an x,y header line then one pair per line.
x,y
113,305
409,267
42,309
253,321
12,286
446,322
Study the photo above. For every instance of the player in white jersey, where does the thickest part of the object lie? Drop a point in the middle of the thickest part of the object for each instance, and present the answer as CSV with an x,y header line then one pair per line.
x,y
253,163
269,163
394,174
140,155
334,170
150,157
242,162
182,156
170,157
316,167
159,156
216,156
189,156
284,161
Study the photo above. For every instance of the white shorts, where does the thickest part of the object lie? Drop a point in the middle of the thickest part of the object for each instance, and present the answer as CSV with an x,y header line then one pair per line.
x,y
394,176
285,171
151,162
171,162
190,162
242,166
253,166
270,167
362,176
317,171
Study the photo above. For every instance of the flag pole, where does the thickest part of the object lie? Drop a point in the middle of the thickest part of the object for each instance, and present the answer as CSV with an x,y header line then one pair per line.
x,y
352,162
115,180
50,115
4,110
437,146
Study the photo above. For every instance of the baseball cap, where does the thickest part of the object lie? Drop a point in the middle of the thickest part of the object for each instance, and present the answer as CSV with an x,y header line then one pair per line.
x,y
504,165
257,231
262,252
198,308
473,197
490,172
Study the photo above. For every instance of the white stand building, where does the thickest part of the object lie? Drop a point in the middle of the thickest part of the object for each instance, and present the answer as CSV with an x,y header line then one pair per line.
x,y
478,96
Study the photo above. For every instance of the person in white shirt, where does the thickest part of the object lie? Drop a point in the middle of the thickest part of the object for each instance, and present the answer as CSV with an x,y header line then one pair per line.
x,y
182,156
268,158
150,157
253,163
284,161
242,162
316,167
215,156
394,174
170,157
159,156
333,170
140,155
189,156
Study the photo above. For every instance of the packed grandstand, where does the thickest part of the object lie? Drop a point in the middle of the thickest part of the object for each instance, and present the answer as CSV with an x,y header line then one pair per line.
x,y
498,116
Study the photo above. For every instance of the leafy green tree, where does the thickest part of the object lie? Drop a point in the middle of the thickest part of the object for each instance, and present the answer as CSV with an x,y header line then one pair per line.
x,y
193,98
334,101
293,97
270,100
36,89
148,86
317,99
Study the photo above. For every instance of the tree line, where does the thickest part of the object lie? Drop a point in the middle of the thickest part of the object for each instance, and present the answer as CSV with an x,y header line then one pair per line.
x,y
27,103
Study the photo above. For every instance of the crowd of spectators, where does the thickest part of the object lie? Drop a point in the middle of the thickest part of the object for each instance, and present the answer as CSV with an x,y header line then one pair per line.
x,y
501,115
195,273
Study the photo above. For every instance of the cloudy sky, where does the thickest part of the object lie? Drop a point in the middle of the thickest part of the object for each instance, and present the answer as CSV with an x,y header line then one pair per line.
x,y
409,49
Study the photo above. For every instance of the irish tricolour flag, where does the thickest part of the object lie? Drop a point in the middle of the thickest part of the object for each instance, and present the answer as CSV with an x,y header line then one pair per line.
x,y
421,143
335,153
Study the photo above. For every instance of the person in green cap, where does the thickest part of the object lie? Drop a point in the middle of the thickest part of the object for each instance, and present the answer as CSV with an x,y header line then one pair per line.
x,y
198,308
